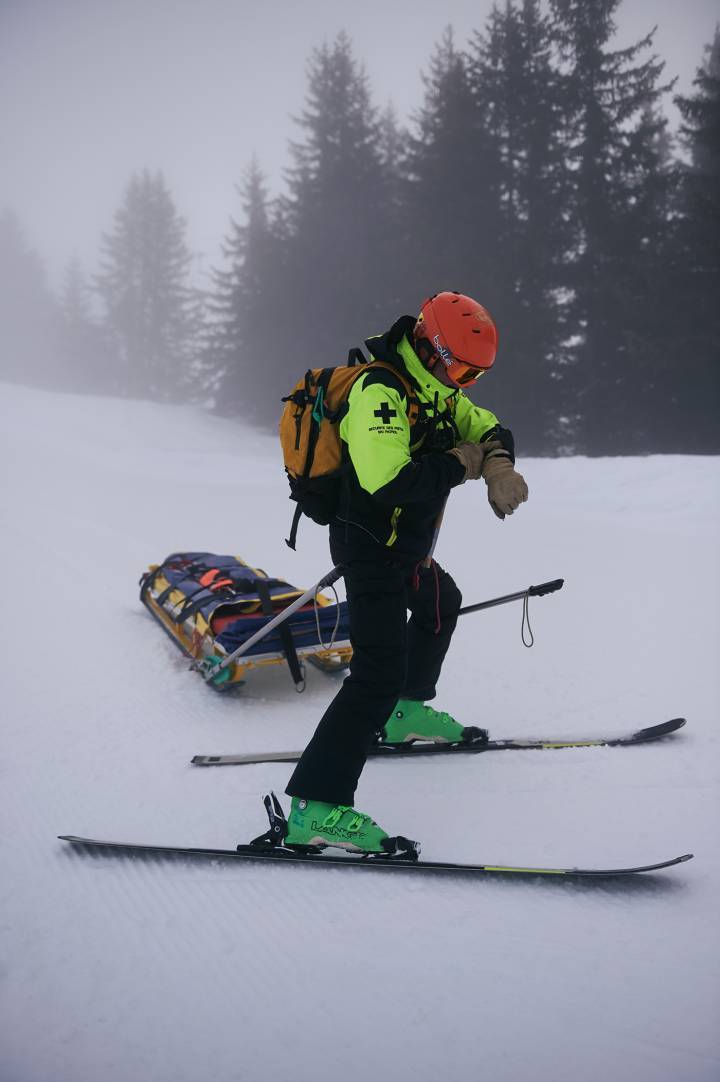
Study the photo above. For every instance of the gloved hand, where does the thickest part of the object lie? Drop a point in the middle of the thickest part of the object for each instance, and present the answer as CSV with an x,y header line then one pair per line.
x,y
506,487
472,456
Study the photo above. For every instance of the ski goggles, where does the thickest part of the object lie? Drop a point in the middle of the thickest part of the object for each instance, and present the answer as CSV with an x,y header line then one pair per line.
x,y
464,374
460,373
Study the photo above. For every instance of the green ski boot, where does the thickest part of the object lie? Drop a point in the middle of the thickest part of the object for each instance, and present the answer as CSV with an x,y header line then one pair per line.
x,y
411,720
314,824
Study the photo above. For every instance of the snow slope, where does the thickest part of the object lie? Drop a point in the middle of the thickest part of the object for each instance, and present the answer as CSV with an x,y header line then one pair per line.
x,y
121,968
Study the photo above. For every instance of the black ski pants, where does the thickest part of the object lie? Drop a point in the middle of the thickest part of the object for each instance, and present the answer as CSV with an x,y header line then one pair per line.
x,y
393,658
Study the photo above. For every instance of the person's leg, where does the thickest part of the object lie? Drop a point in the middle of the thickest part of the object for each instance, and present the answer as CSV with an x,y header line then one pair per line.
x,y
333,760
434,606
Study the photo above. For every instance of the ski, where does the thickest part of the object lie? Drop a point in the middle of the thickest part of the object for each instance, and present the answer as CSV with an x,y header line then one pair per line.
x,y
400,853
395,751
283,855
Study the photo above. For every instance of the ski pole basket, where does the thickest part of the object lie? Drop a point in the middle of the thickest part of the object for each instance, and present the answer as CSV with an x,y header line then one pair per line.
x,y
210,605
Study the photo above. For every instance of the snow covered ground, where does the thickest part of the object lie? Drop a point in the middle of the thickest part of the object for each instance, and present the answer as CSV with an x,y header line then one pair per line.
x,y
123,968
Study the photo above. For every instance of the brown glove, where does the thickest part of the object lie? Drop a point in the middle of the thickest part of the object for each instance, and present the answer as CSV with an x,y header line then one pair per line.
x,y
472,456
506,487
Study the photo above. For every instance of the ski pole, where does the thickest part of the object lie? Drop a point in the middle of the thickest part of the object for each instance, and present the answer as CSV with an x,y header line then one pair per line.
x,y
532,591
427,562
212,671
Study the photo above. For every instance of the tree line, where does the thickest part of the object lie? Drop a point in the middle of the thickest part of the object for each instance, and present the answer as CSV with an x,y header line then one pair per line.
x,y
538,175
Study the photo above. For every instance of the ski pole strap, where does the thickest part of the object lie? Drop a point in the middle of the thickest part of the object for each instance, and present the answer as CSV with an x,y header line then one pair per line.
x,y
530,640
329,645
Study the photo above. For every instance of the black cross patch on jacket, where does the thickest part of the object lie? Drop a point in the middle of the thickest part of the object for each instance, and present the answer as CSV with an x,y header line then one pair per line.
x,y
385,413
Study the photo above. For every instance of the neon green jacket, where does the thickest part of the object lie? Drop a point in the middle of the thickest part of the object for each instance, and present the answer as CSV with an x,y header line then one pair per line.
x,y
401,475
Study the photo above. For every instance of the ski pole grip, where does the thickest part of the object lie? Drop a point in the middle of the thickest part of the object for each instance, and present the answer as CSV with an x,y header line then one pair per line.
x,y
545,588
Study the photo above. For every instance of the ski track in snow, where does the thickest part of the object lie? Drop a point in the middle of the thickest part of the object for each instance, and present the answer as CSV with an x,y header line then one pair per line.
x,y
187,970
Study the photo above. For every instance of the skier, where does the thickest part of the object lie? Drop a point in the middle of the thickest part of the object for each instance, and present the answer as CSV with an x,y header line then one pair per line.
x,y
391,501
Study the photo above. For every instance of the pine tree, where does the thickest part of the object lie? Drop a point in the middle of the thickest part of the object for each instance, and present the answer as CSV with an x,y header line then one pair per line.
x,y
84,354
518,92
198,376
143,283
454,187
392,276
612,135
27,311
337,214
392,150
649,376
245,311
695,342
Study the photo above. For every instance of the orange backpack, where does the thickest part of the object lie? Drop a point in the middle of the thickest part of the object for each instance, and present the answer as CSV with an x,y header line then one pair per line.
x,y
310,435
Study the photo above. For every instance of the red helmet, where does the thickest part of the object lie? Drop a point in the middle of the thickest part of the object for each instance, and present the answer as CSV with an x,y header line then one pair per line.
x,y
458,331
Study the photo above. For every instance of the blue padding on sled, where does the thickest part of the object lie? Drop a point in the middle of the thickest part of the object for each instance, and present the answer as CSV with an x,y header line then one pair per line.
x,y
303,629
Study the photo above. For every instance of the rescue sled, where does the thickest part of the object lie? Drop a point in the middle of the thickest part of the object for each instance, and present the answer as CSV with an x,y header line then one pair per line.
x,y
210,605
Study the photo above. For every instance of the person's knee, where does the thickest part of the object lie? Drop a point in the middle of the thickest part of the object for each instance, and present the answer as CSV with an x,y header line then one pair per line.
x,y
380,675
450,596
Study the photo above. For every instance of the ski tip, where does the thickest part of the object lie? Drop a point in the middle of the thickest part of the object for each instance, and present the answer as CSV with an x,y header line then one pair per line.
x,y
665,728
686,856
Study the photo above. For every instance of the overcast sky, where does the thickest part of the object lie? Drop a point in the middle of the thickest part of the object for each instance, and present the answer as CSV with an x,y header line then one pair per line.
x,y
92,90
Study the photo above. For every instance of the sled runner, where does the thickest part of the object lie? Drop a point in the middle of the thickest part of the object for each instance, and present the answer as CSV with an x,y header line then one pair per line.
x,y
211,605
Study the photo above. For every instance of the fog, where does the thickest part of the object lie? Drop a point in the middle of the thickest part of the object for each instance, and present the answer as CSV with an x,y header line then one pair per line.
x,y
192,193
160,298
94,90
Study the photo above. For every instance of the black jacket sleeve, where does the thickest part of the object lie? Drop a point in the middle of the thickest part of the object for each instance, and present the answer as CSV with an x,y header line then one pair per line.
x,y
430,478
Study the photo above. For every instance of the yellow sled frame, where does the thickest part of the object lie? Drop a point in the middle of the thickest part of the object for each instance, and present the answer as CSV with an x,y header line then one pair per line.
x,y
195,638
